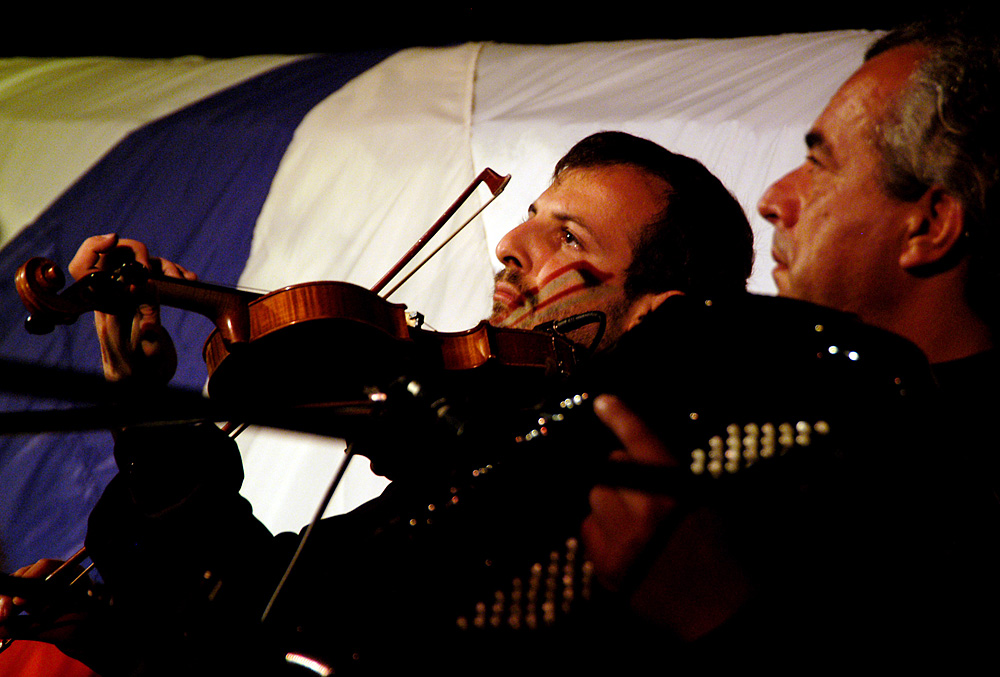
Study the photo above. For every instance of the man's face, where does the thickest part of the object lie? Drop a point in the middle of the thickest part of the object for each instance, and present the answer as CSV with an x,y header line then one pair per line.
x,y
838,234
571,254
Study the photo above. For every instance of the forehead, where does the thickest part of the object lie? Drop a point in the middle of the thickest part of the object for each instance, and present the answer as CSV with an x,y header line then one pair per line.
x,y
608,197
862,102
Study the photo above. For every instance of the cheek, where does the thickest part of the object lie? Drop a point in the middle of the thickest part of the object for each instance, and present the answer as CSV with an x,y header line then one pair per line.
x,y
844,264
831,225
565,295
578,280
823,255
818,256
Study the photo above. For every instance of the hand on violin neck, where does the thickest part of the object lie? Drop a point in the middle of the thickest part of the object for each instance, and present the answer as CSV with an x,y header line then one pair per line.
x,y
134,347
107,252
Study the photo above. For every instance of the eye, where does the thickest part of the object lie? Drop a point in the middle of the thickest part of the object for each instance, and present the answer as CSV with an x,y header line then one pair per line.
x,y
569,238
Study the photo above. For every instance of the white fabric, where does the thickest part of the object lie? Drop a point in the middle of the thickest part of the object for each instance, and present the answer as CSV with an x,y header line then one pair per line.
x,y
741,106
372,166
369,170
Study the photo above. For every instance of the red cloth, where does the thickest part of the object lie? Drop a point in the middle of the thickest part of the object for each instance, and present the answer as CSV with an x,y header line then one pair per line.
x,y
38,659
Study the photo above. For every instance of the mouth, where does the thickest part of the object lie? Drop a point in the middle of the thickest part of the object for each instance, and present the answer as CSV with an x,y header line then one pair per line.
x,y
780,272
505,294
780,261
507,302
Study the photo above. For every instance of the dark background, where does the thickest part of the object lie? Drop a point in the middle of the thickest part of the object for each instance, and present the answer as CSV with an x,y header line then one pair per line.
x,y
295,27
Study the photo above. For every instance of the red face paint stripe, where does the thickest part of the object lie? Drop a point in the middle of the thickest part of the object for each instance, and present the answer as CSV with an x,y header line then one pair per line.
x,y
601,276
556,297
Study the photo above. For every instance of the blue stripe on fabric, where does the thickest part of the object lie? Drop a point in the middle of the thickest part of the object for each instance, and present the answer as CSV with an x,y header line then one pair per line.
x,y
190,186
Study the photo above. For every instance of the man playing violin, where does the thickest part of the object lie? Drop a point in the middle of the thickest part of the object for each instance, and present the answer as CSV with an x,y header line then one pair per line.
x,y
624,226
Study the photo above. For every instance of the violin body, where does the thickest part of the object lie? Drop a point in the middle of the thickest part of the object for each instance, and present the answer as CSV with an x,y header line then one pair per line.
x,y
316,341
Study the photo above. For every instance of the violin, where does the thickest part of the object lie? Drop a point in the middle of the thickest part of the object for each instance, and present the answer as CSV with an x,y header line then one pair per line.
x,y
354,337
309,342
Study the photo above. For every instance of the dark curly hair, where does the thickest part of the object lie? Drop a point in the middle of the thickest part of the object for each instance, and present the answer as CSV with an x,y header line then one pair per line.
x,y
700,243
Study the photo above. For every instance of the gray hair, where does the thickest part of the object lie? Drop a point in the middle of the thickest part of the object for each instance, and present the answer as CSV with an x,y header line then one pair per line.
x,y
945,131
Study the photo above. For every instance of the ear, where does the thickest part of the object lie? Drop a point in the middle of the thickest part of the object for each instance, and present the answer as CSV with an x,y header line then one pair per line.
x,y
934,226
645,304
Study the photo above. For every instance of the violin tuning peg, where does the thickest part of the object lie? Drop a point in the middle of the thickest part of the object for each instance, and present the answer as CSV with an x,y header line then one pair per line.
x,y
38,326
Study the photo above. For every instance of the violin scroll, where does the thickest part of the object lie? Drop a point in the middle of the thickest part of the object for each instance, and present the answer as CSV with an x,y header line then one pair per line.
x,y
38,283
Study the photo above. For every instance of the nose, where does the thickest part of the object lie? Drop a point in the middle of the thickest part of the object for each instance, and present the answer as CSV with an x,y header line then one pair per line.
x,y
779,204
513,250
